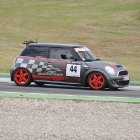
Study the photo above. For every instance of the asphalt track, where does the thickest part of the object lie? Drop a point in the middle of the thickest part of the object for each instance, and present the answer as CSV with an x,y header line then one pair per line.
x,y
128,92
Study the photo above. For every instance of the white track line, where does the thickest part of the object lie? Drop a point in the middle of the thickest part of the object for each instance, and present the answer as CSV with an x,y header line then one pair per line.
x,y
68,95
7,80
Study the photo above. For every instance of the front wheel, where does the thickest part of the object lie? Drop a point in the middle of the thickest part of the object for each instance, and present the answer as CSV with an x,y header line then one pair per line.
x,y
97,81
22,77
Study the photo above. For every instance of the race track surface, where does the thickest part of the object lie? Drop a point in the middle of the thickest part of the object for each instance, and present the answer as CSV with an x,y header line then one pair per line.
x,y
131,91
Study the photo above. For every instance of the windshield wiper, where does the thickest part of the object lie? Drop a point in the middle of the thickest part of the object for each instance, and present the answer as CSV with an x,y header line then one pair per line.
x,y
88,60
97,59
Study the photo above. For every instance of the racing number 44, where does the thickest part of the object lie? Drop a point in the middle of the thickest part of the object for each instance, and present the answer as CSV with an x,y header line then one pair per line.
x,y
73,70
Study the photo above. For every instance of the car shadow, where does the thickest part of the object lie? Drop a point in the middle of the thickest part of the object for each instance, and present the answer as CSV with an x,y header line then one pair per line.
x,y
60,86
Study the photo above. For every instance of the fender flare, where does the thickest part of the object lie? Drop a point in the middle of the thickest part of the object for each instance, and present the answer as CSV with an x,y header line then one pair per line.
x,y
94,70
12,72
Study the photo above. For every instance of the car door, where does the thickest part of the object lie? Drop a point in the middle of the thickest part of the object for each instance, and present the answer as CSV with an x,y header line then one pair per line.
x,y
62,66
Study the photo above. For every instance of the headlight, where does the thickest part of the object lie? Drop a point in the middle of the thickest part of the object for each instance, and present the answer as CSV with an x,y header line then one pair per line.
x,y
110,70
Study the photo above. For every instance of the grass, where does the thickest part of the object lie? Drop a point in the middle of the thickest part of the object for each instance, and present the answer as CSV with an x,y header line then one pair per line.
x,y
111,29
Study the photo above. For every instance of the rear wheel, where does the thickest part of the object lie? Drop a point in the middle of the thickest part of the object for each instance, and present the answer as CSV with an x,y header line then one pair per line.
x,y
97,81
22,77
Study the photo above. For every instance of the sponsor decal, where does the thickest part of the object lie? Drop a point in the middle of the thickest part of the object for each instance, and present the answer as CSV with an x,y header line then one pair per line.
x,y
55,78
81,49
51,73
126,78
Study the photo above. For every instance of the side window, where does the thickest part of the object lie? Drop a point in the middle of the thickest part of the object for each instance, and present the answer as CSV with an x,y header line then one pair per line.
x,y
84,55
35,52
60,53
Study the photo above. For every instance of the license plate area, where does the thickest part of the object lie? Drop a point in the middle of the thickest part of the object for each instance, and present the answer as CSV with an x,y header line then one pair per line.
x,y
125,78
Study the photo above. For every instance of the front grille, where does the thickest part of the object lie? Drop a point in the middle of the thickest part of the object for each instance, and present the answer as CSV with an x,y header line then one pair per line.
x,y
123,83
123,73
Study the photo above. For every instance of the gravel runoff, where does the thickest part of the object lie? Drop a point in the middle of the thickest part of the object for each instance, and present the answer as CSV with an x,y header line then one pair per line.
x,y
50,119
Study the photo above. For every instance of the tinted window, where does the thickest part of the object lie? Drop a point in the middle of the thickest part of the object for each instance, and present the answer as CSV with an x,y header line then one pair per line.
x,y
60,53
85,54
35,52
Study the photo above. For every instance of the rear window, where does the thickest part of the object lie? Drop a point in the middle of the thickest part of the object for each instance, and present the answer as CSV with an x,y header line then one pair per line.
x,y
35,51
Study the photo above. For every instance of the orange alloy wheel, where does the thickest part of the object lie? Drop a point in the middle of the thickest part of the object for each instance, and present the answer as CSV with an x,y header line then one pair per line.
x,y
97,81
22,77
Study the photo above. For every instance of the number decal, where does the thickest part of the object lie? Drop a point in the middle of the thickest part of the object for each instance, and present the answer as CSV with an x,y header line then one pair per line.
x,y
73,70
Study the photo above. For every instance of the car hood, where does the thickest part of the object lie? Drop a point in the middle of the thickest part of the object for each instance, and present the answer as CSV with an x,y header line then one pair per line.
x,y
102,64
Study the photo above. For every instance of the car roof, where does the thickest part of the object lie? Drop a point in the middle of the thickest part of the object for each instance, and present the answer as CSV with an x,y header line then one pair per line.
x,y
54,45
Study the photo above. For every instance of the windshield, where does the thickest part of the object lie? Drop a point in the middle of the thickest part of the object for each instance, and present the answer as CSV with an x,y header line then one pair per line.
x,y
85,54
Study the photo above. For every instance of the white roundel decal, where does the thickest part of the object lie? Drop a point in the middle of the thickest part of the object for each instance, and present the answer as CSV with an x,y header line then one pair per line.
x,y
73,70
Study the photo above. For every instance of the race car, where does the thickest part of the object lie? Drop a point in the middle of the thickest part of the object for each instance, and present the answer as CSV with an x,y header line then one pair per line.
x,y
70,64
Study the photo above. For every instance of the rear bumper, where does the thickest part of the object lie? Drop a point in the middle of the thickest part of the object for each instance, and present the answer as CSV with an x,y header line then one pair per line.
x,y
11,74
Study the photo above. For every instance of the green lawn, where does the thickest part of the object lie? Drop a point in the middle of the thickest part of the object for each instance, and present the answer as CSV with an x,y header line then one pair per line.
x,y
110,28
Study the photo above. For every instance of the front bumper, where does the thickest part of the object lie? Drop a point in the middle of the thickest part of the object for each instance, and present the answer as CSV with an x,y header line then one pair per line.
x,y
118,81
